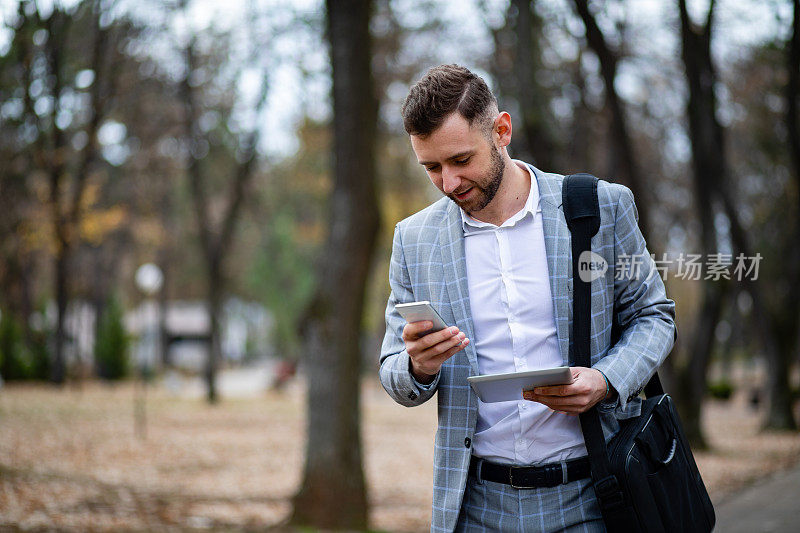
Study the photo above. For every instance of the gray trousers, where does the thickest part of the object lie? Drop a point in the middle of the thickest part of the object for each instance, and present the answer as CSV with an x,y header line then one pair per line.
x,y
496,507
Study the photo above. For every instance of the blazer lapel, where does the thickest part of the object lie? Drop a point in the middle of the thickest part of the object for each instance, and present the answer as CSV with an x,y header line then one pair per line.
x,y
451,237
559,256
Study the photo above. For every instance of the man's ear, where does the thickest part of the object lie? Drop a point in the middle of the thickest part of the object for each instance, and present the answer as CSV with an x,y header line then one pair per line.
x,y
501,130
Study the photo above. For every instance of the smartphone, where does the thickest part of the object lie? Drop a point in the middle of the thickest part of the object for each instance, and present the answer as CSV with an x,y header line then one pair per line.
x,y
419,311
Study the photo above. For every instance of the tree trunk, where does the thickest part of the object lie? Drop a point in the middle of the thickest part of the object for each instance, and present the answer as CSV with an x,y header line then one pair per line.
x,y
779,414
333,491
579,155
165,264
777,332
779,393
624,167
66,216
792,91
712,146
214,304
57,28
691,380
216,235
61,280
708,163
537,125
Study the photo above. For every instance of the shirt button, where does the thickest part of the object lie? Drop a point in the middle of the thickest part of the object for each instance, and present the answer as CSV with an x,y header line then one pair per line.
x,y
467,442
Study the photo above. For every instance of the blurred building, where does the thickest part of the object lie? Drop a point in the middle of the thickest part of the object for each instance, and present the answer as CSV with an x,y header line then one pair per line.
x,y
178,340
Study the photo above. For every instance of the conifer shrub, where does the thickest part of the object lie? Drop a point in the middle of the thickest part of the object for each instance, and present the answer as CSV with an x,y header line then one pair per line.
x,y
112,344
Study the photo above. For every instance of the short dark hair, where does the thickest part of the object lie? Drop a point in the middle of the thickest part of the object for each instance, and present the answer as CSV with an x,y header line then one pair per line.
x,y
440,92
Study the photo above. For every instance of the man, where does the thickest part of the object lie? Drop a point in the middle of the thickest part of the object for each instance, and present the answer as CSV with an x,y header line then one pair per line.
x,y
493,257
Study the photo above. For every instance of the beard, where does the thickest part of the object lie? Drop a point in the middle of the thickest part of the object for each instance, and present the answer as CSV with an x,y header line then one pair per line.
x,y
486,190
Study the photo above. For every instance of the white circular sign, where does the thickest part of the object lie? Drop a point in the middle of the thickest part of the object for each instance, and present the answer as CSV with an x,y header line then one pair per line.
x,y
149,278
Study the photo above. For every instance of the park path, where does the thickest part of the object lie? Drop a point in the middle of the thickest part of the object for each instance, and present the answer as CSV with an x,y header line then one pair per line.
x,y
769,506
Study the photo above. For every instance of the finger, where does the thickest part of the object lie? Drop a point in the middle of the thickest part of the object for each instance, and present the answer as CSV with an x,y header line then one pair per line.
x,y
412,330
529,395
576,408
432,364
441,358
557,402
554,390
442,347
415,331
437,337
575,388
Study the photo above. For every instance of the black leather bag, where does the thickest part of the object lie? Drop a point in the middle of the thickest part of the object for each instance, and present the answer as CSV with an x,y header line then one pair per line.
x,y
646,479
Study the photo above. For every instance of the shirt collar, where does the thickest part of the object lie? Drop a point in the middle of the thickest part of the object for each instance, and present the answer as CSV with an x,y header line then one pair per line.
x,y
472,225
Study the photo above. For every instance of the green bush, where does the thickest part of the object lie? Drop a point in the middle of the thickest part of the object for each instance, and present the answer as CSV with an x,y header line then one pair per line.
x,y
40,356
721,390
16,361
112,343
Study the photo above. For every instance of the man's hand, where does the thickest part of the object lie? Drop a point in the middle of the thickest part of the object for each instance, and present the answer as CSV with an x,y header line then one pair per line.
x,y
429,352
587,388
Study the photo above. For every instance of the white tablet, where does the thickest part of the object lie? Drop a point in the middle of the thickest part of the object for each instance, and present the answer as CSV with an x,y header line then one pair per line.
x,y
492,388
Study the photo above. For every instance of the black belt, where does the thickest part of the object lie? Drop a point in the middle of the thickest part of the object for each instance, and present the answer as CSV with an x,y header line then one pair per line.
x,y
531,477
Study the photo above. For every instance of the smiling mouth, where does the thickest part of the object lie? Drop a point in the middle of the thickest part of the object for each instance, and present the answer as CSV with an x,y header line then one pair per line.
x,y
464,194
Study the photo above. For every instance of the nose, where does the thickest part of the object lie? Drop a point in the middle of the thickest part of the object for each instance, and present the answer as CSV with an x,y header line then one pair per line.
x,y
450,180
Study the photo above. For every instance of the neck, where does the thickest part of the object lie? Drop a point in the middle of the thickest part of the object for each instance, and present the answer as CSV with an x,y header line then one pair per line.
x,y
511,195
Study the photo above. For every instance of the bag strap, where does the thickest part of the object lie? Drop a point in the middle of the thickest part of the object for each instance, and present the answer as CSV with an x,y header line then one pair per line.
x,y
582,213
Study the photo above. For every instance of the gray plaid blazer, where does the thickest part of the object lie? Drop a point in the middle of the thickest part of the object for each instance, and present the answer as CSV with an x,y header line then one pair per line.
x,y
428,263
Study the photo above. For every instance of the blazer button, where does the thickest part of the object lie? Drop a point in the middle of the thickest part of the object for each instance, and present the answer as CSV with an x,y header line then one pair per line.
x,y
467,442
412,395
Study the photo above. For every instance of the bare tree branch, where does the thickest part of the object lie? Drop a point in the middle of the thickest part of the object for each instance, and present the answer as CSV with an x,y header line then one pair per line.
x,y
620,130
244,173
97,106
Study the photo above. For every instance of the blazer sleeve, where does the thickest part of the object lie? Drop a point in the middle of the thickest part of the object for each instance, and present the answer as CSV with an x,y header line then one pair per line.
x,y
642,311
395,364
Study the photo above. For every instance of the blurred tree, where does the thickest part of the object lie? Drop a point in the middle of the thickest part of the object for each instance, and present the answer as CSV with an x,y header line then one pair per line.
x,y
15,362
764,156
216,214
57,83
710,168
333,490
111,343
624,167
785,322
66,201
518,69
282,273
19,266
38,48
792,114
130,208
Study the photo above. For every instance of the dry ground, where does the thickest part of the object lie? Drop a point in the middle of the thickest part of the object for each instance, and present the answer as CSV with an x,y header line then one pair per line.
x,y
70,460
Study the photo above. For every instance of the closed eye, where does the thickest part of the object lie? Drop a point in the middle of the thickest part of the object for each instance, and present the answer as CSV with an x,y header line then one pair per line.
x,y
462,161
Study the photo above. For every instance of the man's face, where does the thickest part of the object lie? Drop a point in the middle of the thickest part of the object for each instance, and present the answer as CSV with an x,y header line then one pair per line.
x,y
461,162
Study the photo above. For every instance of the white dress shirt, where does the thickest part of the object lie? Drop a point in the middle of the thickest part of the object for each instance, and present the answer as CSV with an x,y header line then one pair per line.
x,y
515,330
